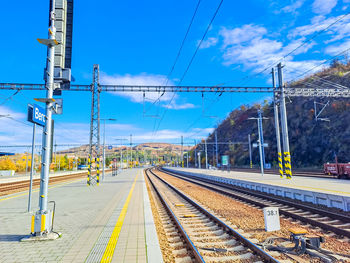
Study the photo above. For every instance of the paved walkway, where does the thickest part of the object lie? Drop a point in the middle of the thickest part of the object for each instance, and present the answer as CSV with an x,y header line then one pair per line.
x,y
104,223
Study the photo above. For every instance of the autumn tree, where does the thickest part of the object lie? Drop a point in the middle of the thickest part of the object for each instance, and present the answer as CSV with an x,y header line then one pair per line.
x,y
7,164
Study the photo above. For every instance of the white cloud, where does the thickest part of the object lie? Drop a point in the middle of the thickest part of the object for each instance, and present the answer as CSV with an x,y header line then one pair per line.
x,y
336,49
258,53
240,35
17,131
211,41
14,129
298,47
172,135
144,79
13,114
293,7
323,7
175,106
136,80
120,127
339,30
250,46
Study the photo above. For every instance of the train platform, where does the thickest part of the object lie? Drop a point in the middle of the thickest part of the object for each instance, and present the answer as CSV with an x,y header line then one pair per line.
x,y
23,177
111,222
323,191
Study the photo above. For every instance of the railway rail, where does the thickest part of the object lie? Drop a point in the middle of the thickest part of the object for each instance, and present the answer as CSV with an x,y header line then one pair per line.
x,y
19,186
318,217
204,237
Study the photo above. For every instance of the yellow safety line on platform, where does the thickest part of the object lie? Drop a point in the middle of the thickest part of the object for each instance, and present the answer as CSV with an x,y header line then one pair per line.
x,y
37,190
112,243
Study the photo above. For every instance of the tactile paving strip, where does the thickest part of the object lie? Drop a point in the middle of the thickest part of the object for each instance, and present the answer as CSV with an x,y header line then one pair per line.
x,y
101,243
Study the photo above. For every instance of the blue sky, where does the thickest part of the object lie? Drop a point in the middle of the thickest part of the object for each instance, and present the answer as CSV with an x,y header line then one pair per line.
x,y
136,42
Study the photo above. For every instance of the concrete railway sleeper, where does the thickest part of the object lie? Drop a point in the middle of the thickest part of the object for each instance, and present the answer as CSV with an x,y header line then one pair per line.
x,y
326,220
208,237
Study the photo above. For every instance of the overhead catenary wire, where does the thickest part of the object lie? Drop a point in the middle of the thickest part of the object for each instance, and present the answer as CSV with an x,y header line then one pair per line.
x,y
320,64
182,43
177,56
10,97
249,77
190,62
68,132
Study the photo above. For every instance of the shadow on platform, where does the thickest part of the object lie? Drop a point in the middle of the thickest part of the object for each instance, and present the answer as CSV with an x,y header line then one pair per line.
x,y
12,238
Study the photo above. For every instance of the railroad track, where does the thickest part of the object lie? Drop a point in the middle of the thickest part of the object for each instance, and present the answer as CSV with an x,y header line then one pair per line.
x,y
196,234
326,220
14,187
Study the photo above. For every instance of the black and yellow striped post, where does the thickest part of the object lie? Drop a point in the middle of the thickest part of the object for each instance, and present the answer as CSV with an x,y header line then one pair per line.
x,y
98,170
89,170
280,164
277,125
287,165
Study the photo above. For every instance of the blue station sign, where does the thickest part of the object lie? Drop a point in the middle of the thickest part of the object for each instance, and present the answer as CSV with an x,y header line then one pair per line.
x,y
36,114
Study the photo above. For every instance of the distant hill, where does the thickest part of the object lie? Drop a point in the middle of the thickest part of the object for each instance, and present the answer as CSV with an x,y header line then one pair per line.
x,y
312,142
152,148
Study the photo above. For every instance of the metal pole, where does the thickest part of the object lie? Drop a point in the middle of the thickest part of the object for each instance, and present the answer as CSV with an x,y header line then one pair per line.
x,y
199,160
26,162
104,146
284,125
206,154
121,157
250,151
187,158
55,154
131,151
195,154
94,145
216,148
277,125
137,157
260,149
32,163
182,153
262,137
45,165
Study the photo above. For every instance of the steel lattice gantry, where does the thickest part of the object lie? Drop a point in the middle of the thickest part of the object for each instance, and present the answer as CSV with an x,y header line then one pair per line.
x,y
94,143
96,88
288,91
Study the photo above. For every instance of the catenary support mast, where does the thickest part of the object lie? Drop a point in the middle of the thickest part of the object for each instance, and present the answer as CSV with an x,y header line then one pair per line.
x,y
94,147
286,151
277,124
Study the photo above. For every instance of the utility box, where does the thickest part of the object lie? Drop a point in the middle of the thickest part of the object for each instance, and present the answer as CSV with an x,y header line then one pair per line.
x,y
272,219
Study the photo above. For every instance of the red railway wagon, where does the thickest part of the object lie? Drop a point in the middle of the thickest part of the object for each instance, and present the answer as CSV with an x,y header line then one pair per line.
x,y
341,170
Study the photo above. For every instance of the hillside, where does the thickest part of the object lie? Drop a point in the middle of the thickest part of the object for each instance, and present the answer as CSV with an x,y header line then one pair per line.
x,y
312,142
155,148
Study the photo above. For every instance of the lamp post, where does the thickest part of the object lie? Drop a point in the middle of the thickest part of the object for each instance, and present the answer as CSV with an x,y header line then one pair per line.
x,y
187,159
104,146
261,140
121,151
